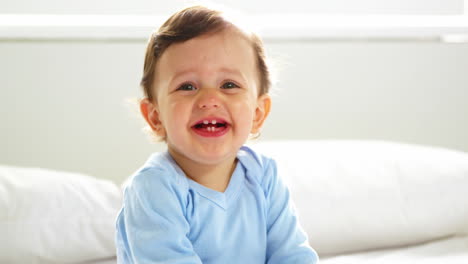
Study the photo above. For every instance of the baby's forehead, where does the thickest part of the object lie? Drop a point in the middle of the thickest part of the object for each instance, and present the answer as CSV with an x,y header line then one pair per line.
x,y
227,47
229,38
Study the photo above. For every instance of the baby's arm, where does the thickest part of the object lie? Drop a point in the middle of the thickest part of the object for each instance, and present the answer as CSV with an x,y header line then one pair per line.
x,y
287,242
152,228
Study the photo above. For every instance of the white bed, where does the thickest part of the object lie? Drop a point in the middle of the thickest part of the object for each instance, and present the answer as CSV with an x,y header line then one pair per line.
x,y
359,202
451,250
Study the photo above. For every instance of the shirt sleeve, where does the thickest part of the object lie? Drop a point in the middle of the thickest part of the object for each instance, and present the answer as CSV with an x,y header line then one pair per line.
x,y
151,227
286,242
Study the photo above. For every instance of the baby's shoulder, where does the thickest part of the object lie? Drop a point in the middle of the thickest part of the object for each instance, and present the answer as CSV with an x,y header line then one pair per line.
x,y
157,173
258,165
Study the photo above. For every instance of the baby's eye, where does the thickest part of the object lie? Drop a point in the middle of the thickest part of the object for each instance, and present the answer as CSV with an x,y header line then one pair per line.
x,y
229,85
186,87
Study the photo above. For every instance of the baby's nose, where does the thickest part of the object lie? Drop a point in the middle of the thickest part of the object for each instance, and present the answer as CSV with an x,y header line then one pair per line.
x,y
209,101
207,105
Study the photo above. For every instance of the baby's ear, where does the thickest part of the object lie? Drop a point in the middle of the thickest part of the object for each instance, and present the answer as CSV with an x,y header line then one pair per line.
x,y
150,112
261,112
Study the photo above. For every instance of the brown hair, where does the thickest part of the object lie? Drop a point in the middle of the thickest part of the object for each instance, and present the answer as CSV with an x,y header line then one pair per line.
x,y
187,24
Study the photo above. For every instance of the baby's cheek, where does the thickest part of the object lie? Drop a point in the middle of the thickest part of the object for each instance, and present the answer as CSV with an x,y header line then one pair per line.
x,y
245,116
174,118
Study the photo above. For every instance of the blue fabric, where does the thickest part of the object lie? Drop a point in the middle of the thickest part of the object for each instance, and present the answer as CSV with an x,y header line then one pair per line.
x,y
169,218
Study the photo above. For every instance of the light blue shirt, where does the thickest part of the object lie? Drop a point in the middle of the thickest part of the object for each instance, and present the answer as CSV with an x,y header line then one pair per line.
x,y
168,218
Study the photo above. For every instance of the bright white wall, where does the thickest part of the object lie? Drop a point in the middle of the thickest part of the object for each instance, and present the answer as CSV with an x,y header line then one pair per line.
x,y
62,103
442,7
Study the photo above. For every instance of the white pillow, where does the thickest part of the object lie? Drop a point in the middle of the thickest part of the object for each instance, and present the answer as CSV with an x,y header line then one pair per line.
x,y
358,195
55,217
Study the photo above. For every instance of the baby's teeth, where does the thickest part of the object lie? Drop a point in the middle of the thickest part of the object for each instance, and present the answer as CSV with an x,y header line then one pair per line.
x,y
213,122
205,122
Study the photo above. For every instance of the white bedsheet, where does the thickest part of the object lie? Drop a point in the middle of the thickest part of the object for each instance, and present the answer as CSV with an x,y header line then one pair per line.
x,y
101,261
452,250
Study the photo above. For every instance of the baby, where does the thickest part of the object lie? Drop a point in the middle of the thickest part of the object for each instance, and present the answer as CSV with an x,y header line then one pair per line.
x,y
207,199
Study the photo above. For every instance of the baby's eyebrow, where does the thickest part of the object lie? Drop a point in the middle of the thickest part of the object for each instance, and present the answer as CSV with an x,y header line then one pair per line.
x,y
193,70
231,71
180,73
183,72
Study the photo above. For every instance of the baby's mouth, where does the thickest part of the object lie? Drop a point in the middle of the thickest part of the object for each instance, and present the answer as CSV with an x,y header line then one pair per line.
x,y
211,125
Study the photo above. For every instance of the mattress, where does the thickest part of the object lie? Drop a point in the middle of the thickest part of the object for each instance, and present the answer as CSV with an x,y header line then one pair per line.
x,y
453,250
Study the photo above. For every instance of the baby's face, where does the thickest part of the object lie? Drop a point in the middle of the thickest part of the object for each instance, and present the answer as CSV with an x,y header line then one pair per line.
x,y
207,96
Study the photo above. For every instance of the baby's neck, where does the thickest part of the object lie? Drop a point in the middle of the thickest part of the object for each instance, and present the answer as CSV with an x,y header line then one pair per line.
x,y
213,176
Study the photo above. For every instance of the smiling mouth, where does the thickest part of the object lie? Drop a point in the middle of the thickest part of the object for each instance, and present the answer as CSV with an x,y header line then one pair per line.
x,y
211,128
